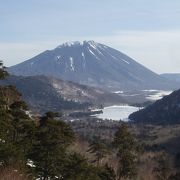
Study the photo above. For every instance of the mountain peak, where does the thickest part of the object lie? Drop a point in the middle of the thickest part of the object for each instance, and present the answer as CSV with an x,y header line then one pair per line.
x,y
70,43
90,42
78,43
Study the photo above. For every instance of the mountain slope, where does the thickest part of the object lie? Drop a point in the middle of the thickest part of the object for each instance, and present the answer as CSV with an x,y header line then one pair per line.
x,y
92,64
45,93
164,111
172,76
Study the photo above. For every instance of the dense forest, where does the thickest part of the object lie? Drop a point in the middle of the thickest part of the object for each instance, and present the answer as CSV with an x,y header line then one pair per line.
x,y
47,147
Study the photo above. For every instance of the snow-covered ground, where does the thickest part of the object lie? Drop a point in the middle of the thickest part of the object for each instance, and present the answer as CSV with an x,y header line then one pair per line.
x,y
117,112
144,95
157,94
122,112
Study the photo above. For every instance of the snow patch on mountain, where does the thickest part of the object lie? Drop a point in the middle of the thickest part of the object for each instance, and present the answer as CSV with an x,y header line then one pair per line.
x,y
58,57
119,92
72,63
93,54
99,52
93,46
84,60
69,44
125,61
83,55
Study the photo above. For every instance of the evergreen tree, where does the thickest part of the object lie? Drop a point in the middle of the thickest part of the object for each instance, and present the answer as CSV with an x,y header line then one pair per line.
x,y
6,148
127,151
4,125
78,168
23,131
15,125
99,149
3,72
107,173
16,132
48,153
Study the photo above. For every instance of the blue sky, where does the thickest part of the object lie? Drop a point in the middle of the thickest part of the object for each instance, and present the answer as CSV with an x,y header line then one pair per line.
x,y
147,30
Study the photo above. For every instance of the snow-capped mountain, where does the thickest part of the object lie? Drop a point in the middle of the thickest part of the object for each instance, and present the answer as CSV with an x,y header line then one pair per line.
x,y
92,64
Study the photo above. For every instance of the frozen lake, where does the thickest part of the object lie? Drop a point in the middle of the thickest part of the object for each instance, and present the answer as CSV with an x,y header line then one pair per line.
x,y
117,112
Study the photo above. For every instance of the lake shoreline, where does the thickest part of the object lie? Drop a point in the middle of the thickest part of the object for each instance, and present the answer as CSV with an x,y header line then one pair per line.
x,y
117,112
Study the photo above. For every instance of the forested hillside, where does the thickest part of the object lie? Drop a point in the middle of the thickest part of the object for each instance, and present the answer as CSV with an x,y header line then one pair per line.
x,y
164,111
46,147
50,94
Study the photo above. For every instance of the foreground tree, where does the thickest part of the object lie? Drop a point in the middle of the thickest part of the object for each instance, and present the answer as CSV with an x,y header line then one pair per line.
x,y
127,152
78,168
100,151
4,118
107,173
16,132
23,130
49,149
3,72
9,150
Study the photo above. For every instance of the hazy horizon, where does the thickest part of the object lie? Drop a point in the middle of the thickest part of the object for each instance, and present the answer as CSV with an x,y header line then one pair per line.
x,y
149,32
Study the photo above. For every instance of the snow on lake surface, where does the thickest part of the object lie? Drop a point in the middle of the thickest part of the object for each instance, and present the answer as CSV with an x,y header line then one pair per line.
x,y
117,112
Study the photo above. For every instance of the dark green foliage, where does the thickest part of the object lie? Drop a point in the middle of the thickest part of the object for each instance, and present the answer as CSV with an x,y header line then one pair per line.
x,y
107,173
79,169
3,72
127,151
76,165
51,158
16,127
16,134
99,149
49,148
